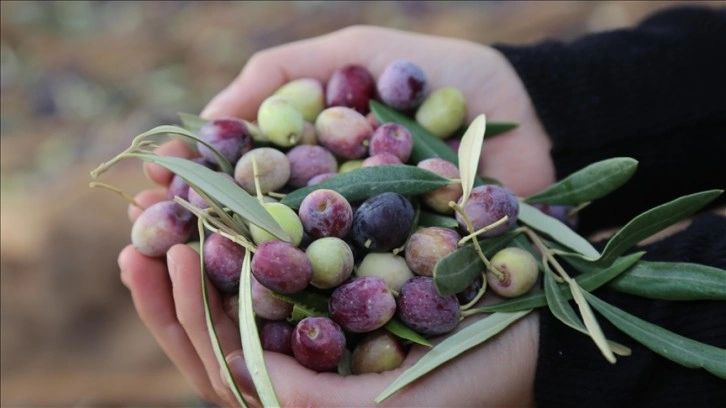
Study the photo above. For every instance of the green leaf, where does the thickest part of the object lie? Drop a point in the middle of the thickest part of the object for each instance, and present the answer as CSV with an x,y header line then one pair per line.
x,y
221,189
555,229
253,354
191,122
469,154
395,327
367,182
216,346
224,164
453,345
592,182
560,308
458,270
558,304
654,220
591,324
305,304
674,347
595,277
429,219
229,221
425,144
673,281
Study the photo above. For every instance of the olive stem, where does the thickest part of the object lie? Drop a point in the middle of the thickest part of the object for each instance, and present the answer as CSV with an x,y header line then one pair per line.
x,y
483,230
479,294
256,176
276,195
118,191
547,253
577,209
215,225
477,247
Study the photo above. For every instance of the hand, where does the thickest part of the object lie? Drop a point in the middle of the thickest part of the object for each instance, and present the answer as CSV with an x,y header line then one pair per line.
x,y
498,373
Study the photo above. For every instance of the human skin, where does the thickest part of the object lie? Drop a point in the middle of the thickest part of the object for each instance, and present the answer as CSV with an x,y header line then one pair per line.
x,y
165,294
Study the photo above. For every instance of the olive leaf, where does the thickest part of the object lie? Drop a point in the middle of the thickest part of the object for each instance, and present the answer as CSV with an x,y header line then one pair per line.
x,y
682,350
429,219
556,229
591,324
305,304
216,346
453,345
673,281
654,220
469,154
458,270
590,183
425,144
367,182
253,355
191,122
558,304
220,189
395,327
590,280
222,161
229,221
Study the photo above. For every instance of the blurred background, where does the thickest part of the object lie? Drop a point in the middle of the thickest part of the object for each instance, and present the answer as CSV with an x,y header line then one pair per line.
x,y
79,81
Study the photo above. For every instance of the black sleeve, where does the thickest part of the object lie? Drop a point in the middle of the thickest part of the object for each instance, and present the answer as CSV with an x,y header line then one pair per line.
x,y
655,92
571,372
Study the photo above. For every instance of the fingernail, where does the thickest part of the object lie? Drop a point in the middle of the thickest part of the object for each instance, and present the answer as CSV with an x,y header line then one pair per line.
x,y
123,275
241,375
171,266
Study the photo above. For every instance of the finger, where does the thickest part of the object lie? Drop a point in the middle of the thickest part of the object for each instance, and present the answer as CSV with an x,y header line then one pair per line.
x,y
145,199
183,263
148,281
175,148
316,58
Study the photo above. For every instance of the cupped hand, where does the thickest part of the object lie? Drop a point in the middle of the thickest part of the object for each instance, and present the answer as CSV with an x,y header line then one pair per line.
x,y
167,294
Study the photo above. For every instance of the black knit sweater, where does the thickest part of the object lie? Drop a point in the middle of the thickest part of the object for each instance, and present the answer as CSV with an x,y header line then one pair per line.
x,y
657,93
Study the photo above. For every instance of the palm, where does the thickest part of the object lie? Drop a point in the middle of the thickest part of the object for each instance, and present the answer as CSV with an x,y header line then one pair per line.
x,y
520,159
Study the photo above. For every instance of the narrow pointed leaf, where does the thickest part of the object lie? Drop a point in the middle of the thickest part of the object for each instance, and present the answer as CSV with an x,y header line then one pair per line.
x,y
654,220
395,327
224,164
592,182
429,219
558,304
229,221
307,303
561,308
253,354
469,154
593,327
425,144
221,189
458,270
367,182
673,281
677,348
455,344
556,229
191,122
216,346
590,280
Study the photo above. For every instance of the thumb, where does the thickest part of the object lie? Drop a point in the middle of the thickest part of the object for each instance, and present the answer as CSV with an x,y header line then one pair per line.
x,y
296,385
